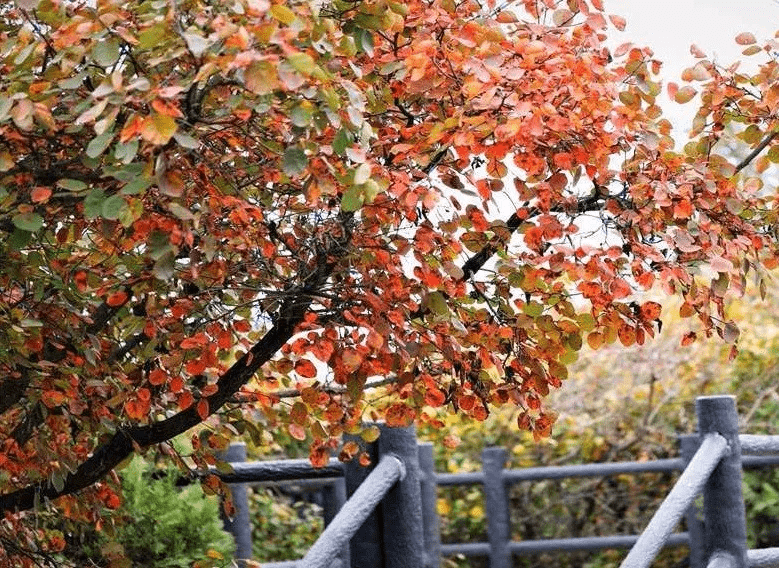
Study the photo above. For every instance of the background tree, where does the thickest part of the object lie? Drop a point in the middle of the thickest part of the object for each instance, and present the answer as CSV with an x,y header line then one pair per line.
x,y
256,215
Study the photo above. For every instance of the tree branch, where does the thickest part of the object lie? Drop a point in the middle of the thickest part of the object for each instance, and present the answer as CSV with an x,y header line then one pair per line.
x,y
477,261
123,442
754,153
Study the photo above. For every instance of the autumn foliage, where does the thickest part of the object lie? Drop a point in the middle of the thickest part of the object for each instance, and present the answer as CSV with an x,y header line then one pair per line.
x,y
292,218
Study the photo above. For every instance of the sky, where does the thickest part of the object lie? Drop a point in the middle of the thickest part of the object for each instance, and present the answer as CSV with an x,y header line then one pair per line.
x,y
669,27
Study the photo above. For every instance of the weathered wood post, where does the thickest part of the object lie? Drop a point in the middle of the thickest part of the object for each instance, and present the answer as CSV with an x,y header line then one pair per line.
x,y
497,507
725,541
430,519
401,509
693,517
240,525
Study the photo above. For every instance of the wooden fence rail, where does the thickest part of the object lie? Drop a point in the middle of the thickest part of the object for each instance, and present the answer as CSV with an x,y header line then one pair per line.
x,y
403,530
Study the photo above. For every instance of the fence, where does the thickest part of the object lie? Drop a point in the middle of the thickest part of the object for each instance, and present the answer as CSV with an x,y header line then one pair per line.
x,y
390,520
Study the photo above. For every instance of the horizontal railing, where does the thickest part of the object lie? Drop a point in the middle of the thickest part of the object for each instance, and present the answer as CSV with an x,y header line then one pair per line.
x,y
713,448
496,482
354,512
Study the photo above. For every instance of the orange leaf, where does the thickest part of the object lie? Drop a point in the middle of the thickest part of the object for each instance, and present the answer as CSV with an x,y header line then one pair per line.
x,y
620,289
434,397
650,311
352,359
689,338
136,409
627,335
117,299
305,369
466,402
80,278
195,341
40,194
595,340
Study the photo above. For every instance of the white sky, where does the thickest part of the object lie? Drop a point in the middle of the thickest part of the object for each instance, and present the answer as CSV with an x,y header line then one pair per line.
x,y
669,27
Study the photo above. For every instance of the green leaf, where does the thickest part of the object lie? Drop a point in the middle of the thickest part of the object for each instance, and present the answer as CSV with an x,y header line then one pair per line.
x,y
301,115
364,40
106,52
99,143
185,140
301,62
126,151
352,199
136,186
93,204
113,207
164,268
294,161
30,221
437,304
19,239
342,141
152,36
533,309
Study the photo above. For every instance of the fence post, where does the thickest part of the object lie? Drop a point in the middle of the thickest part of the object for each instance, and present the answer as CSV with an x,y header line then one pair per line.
x,y
497,507
430,519
366,545
401,509
240,525
723,503
689,445
334,497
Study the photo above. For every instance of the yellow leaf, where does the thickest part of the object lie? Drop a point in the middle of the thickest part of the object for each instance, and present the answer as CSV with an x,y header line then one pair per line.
x,y
158,129
282,14
685,94
443,507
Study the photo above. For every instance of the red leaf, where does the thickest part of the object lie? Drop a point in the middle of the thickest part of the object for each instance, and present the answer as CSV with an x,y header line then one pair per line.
x,y
158,377
202,408
650,311
185,400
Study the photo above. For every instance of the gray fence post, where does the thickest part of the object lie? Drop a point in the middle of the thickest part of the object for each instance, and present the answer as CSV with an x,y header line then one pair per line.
x,y
723,503
239,526
693,517
430,519
333,498
365,547
401,509
497,507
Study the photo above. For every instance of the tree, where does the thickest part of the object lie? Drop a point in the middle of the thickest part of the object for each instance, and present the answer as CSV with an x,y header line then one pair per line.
x,y
251,216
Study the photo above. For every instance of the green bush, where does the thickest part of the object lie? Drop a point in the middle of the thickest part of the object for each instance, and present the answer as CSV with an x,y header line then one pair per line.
x,y
282,529
167,527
